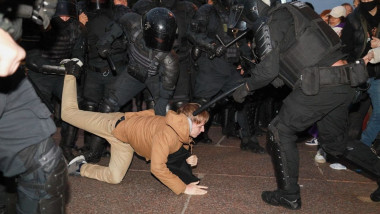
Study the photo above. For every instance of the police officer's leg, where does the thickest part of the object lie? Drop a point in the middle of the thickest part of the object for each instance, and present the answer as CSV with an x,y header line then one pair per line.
x,y
43,187
160,95
245,118
182,92
209,82
332,140
92,93
285,158
87,105
95,144
67,143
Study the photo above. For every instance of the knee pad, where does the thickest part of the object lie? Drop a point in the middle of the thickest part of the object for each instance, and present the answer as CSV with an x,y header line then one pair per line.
x,y
56,187
174,106
52,166
107,105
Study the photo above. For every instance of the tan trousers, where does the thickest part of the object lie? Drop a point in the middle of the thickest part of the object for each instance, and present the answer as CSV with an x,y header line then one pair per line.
x,y
102,125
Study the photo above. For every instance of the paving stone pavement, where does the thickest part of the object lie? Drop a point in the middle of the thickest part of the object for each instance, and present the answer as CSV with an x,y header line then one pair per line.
x,y
235,180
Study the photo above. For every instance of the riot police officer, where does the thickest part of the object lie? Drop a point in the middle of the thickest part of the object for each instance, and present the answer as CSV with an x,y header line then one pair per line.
x,y
27,149
183,11
217,64
295,45
152,63
62,41
101,72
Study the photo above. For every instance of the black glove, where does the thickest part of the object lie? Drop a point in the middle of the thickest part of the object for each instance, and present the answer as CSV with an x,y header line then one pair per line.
x,y
240,93
219,50
103,50
72,66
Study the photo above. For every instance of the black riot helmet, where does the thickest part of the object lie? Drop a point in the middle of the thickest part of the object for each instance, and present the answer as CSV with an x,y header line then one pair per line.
x,y
67,8
94,5
166,3
159,29
248,10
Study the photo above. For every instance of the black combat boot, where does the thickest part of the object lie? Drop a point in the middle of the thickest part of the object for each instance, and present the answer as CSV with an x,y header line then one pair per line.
x,y
375,196
97,145
288,193
251,143
69,134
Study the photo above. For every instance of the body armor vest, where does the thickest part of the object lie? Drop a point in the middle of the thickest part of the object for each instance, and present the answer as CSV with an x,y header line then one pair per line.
x,y
315,41
98,25
58,44
232,54
143,62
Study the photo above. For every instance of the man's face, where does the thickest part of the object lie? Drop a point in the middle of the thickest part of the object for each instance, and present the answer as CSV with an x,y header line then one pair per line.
x,y
64,18
196,129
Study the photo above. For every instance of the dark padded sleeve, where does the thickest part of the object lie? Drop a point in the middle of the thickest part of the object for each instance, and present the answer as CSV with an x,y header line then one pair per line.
x,y
170,71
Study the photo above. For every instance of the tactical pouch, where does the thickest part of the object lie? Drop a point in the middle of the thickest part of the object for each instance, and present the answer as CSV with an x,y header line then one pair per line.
x,y
358,73
310,80
353,74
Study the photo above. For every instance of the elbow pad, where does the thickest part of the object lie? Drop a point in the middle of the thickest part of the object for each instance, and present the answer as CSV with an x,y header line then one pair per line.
x,y
170,73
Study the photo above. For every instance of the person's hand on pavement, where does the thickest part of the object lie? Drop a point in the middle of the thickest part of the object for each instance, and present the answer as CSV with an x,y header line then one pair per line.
x,y
195,189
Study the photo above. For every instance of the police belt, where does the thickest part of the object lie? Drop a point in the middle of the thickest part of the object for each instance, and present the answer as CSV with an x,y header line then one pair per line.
x,y
312,78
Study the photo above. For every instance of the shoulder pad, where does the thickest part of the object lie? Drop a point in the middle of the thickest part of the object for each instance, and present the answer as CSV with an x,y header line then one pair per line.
x,y
131,20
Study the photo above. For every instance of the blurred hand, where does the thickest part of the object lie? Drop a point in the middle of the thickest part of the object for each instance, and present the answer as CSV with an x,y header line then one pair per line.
x,y
375,42
83,18
192,160
195,189
240,93
11,54
368,57
220,50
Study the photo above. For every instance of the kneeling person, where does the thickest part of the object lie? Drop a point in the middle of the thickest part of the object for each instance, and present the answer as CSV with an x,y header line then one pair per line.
x,y
164,140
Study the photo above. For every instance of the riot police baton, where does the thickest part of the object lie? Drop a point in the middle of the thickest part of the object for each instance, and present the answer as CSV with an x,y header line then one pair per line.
x,y
111,64
230,43
216,99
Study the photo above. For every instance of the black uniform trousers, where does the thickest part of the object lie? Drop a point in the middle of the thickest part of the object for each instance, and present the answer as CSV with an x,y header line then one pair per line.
x,y
329,109
126,87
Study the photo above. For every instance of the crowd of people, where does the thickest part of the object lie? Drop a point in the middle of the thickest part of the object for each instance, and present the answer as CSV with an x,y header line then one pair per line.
x,y
151,76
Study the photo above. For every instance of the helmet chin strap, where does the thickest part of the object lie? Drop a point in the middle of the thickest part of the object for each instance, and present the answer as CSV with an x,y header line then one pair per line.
x,y
266,2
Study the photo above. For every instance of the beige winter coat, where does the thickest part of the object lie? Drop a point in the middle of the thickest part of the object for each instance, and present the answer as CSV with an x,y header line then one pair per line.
x,y
154,138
